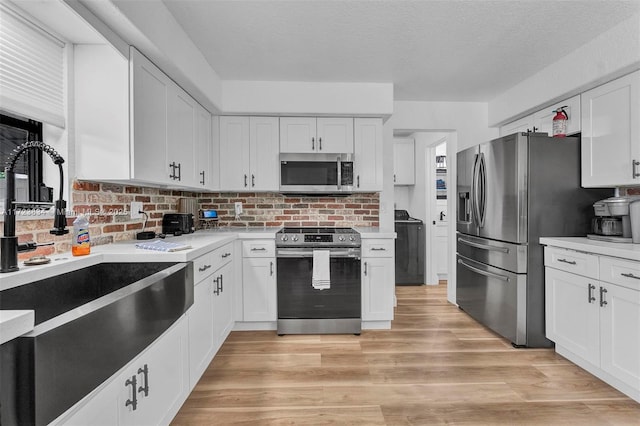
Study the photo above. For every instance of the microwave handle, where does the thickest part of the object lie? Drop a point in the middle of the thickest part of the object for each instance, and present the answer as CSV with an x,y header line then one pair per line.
x,y
339,174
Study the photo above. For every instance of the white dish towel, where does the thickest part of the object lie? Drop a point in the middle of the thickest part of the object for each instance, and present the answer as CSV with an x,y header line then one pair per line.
x,y
321,279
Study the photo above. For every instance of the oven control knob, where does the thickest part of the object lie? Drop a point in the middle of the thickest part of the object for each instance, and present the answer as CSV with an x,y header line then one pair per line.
x,y
341,238
352,238
294,238
285,238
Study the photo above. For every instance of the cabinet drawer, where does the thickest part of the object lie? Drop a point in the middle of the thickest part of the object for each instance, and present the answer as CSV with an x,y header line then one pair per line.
x,y
222,255
378,248
619,271
571,261
203,266
259,248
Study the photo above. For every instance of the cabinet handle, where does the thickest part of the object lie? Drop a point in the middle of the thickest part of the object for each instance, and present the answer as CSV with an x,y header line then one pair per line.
x,y
319,144
133,382
634,165
216,291
145,371
570,262
258,249
225,255
253,181
202,174
630,275
245,181
378,249
204,268
394,178
271,268
358,181
603,291
221,283
365,268
173,166
591,297
179,172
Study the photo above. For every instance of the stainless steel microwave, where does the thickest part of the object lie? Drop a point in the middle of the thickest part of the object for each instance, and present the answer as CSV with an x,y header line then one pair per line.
x,y
316,173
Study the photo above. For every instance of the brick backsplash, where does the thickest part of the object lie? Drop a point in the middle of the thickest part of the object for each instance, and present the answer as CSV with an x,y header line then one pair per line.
x,y
630,191
107,206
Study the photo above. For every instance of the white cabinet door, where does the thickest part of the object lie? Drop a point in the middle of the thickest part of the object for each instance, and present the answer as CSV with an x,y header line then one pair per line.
x,y
100,410
202,345
264,134
335,135
298,134
404,161
572,313
524,124
181,127
203,150
620,334
150,98
162,380
259,289
611,133
378,284
234,153
223,304
368,154
543,120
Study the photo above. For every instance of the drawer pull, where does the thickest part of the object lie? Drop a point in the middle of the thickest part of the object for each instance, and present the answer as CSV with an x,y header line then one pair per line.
x,y
591,297
271,268
204,268
603,291
378,249
630,275
258,249
570,262
133,382
225,255
483,246
145,372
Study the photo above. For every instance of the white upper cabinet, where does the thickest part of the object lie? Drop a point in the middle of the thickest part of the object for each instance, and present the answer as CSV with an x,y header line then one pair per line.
x,y
404,161
611,133
133,123
543,120
321,135
524,124
203,150
249,153
367,154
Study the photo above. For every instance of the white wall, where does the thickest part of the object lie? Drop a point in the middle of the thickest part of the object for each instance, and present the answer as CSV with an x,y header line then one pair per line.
x,y
610,55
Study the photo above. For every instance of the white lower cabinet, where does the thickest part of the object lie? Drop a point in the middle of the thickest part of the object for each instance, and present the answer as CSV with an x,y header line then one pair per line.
x,y
149,391
378,280
259,291
593,315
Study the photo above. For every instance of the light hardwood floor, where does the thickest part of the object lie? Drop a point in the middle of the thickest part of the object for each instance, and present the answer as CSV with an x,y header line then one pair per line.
x,y
435,366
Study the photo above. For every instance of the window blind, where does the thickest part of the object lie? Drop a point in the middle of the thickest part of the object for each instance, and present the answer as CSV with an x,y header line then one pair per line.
x,y
31,70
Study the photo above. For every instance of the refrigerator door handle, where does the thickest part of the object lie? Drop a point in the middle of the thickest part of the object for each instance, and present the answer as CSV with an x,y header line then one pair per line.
x,y
483,246
482,185
481,272
474,191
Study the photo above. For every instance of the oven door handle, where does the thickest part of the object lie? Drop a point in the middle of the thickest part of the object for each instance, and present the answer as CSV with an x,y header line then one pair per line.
x,y
309,253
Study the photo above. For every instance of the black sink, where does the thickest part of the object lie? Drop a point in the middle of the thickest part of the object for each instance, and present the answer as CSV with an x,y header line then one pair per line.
x,y
89,323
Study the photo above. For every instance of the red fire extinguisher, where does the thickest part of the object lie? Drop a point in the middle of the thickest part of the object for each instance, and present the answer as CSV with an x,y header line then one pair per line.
x,y
560,123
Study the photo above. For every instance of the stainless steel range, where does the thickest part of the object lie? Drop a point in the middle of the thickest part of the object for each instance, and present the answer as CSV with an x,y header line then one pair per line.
x,y
319,287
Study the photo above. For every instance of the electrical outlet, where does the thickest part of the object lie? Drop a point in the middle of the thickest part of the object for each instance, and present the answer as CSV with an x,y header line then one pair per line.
x,y
238,208
136,208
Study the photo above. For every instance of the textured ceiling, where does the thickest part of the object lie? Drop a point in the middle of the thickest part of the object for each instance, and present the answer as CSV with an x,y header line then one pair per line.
x,y
431,50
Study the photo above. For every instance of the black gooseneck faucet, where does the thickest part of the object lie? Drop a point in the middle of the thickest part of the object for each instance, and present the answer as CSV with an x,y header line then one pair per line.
x,y
9,246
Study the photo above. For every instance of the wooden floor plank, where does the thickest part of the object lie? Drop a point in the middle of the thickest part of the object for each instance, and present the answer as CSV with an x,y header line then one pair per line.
x,y
435,366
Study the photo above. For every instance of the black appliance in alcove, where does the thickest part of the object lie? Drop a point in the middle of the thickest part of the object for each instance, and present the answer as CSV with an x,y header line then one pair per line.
x,y
410,243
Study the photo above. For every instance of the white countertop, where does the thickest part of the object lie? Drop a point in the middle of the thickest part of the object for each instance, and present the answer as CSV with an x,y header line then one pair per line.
x,y
622,250
15,323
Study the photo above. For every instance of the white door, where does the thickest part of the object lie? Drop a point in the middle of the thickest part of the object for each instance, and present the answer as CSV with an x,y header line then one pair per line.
x,y
522,125
620,334
368,154
150,97
265,138
201,335
335,135
611,133
181,125
234,153
259,289
378,284
223,303
203,151
572,313
404,162
298,134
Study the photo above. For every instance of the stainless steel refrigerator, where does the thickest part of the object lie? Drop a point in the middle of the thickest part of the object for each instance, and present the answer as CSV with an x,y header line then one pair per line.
x,y
510,192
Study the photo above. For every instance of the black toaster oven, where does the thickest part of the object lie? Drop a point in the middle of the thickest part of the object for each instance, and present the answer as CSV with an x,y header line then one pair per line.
x,y
177,223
